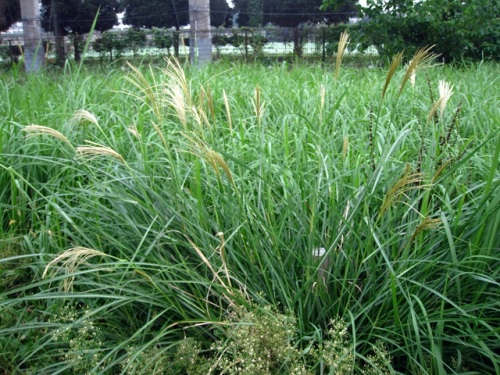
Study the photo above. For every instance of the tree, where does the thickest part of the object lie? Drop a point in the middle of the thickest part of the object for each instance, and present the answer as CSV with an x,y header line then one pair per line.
x,y
10,13
76,17
108,42
156,13
458,29
173,13
250,12
340,10
220,13
170,13
292,13
135,39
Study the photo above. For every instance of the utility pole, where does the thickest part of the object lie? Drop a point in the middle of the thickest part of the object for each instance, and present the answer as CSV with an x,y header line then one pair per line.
x,y
34,53
200,40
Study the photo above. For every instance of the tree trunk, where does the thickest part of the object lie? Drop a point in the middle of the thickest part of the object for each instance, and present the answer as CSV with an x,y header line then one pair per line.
x,y
323,44
34,54
77,45
60,53
297,48
176,43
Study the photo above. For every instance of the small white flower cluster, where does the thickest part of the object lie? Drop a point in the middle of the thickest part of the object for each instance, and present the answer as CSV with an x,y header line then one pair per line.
x,y
379,362
259,342
79,339
145,361
336,351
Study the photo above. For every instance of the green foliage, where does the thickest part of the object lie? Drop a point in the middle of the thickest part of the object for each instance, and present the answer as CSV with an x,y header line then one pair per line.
x,y
77,17
10,12
157,13
218,207
458,30
256,13
167,14
344,9
220,13
258,342
328,37
76,339
162,38
108,42
250,42
135,39
261,341
254,10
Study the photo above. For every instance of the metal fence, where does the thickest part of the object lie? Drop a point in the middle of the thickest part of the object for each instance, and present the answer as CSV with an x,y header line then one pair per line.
x,y
312,43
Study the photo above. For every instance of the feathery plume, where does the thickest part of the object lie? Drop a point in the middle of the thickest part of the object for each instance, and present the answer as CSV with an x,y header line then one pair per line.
x,y
258,105
343,41
148,93
426,224
396,60
36,130
345,147
133,130
422,58
445,92
228,110
204,152
413,76
96,150
71,260
84,115
409,181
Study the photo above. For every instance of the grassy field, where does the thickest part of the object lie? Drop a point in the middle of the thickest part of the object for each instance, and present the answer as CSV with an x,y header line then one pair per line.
x,y
250,220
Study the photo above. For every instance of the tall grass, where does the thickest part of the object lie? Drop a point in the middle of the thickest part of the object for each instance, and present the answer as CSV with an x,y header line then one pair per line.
x,y
166,201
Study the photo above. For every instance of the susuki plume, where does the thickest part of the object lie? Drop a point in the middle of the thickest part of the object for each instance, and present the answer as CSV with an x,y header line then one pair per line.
x,y
36,130
343,41
422,58
96,150
84,115
72,259
396,60
445,92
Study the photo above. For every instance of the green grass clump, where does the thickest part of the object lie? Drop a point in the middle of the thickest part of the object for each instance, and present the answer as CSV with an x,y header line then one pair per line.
x,y
163,220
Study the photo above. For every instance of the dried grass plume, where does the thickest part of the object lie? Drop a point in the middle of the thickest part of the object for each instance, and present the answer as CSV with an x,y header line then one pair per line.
x,y
97,150
38,130
70,260
343,41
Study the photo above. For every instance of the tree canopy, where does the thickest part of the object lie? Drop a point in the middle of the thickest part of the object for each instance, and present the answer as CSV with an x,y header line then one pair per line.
x,y
10,12
457,29
173,13
77,16
156,13
291,13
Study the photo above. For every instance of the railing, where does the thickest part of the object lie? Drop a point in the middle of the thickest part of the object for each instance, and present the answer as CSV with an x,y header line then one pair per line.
x,y
311,42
